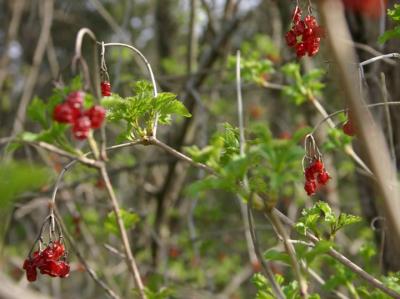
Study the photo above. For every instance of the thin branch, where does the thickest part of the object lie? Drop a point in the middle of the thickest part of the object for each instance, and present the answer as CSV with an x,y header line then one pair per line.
x,y
179,155
131,262
30,83
83,260
344,260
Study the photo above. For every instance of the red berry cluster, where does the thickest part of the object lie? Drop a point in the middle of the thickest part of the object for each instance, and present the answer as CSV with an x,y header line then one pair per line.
x,y
71,112
305,35
105,88
50,261
316,176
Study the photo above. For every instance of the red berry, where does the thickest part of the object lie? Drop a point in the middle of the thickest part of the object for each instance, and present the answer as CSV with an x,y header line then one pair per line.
x,y
300,50
308,34
296,16
291,39
81,128
310,21
310,187
63,113
312,48
51,268
323,178
64,269
318,166
75,99
105,88
309,173
58,249
96,115
299,28
348,128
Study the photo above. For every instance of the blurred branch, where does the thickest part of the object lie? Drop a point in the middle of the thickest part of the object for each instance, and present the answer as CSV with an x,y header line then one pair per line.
x,y
47,6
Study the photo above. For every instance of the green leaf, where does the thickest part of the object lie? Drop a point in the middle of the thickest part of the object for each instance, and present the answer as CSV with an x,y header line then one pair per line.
x,y
37,112
320,248
130,219
274,255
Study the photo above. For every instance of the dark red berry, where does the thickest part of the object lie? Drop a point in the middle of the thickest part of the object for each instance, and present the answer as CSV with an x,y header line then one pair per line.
x,y
75,99
310,21
348,128
310,187
51,267
318,166
63,113
105,88
309,173
291,39
296,17
58,249
30,269
323,178
81,128
64,269
300,50
299,28
96,115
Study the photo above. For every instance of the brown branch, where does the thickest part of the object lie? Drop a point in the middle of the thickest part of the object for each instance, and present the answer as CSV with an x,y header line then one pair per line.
x,y
130,260
30,83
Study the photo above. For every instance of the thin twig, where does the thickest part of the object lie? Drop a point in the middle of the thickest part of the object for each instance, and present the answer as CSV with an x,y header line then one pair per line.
x,y
131,262
344,260
83,260
30,83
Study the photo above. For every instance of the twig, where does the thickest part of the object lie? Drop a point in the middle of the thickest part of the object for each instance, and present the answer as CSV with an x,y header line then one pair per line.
x,y
276,222
192,38
343,260
30,83
179,155
266,268
131,262
83,261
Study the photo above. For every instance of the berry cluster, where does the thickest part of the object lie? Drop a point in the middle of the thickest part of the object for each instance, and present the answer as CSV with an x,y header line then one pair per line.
x,y
50,261
71,112
315,175
105,88
305,35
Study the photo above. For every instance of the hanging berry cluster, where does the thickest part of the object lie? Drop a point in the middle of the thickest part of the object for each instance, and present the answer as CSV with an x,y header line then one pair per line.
x,y
52,259
305,35
314,168
71,112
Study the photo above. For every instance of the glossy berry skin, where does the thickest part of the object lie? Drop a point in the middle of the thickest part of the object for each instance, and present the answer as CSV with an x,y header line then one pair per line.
x,y
309,173
310,187
348,128
81,128
318,166
323,178
291,39
296,17
105,88
96,115
30,268
64,113
75,99
63,270
301,50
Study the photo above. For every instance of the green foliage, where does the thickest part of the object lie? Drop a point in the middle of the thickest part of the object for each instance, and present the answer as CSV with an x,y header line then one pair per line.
x,y
321,220
302,88
394,15
130,219
139,112
162,293
336,140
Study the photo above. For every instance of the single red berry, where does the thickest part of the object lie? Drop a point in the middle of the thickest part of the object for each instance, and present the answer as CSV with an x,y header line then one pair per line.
x,y
299,28
296,16
63,113
81,128
96,115
308,34
51,268
58,249
291,39
310,21
64,269
75,99
30,270
348,128
309,173
300,50
310,187
323,178
312,48
105,88
318,166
